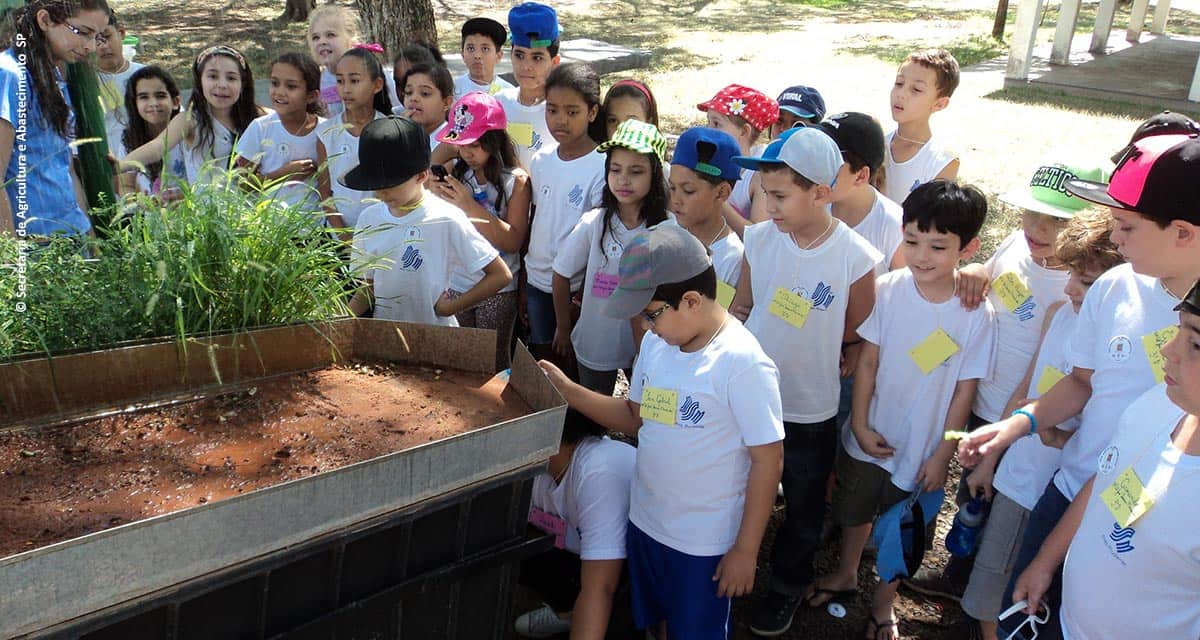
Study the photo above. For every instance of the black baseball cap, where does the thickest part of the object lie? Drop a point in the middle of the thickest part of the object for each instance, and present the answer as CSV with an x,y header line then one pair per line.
x,y
1165,123
1191,302
390,151
488,27
857,133
1158,177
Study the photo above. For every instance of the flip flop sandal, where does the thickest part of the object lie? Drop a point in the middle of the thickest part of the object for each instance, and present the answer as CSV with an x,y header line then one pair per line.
x,y
834,596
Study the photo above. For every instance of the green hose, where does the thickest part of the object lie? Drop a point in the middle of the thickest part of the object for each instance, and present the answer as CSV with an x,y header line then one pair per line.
x,y
94,168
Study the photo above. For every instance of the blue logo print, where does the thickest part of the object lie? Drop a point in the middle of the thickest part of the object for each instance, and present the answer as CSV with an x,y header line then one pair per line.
x,y
690,411
1025,310
536,141
411,260
575,197
915,184
822,296
1122,538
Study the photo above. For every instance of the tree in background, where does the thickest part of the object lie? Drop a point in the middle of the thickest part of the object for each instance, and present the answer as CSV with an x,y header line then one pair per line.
x,y
395,23
297,10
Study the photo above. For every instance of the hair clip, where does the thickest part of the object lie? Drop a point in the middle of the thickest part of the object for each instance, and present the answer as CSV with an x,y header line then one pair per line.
x,y
373,47
221,49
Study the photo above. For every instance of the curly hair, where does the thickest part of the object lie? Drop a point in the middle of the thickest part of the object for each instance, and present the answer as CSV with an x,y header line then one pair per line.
x,y
1086,244
137,132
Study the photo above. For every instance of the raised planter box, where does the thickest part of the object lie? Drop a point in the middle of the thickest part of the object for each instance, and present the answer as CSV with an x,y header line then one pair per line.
x,y
68,585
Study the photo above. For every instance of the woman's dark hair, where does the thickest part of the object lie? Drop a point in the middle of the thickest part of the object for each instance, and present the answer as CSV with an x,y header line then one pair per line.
x,y
704,283
947,207
502,157
244,111
310,71
40,61
654,205
438,73
581,78
635,89
382,103
137,132
577,426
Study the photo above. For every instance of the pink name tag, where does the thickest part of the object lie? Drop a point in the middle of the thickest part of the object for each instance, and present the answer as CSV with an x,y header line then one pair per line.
x,y
551,524
604,284
329,95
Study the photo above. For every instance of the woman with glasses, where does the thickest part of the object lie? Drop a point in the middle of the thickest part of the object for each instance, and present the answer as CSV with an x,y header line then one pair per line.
x,y
42,196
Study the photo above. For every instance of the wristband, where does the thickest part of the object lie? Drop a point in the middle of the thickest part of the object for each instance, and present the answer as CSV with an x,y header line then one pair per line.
x,y
1032,420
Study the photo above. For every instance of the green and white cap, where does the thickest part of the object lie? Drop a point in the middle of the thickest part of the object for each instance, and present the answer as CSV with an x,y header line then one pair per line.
x,y
637,136
1047,192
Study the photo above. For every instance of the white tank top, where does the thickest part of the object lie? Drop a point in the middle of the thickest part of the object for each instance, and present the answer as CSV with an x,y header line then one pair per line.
x,y
195,158
903,177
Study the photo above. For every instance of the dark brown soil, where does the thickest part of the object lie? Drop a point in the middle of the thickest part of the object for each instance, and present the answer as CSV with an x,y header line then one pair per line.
x,y
63,482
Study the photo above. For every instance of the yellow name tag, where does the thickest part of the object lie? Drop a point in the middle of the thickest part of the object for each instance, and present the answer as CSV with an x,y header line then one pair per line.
x,y
933,351
725,294
659,405
792,307
521,133
1012,292
1127,499
1050,377
1153,344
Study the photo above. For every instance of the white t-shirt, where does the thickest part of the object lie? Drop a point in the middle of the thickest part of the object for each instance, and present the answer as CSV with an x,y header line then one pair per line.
x,y
593,498
460,280
173,170
689,488
808,357
903,177
1018,329
268,144
1141,581
727,258
909,407
333,101
341,153
884,229
527,126
1028,465
1118,311
464,85
112,100
601,343
203,164
562,191
421,249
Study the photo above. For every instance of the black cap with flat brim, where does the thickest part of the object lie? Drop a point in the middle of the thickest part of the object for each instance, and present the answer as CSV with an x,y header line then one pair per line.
x,y
391,150
488,27
1191,302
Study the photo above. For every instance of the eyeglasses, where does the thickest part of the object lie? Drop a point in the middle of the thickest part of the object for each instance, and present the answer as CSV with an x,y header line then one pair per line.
x,y
653,315
100,38
1031,620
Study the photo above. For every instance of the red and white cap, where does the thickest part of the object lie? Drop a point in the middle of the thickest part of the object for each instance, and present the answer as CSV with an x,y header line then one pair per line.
x,y
472,116
1158,177
755,107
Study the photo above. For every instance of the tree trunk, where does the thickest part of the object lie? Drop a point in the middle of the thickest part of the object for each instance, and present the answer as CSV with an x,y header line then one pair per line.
x,y
1001,18
395,23
297,10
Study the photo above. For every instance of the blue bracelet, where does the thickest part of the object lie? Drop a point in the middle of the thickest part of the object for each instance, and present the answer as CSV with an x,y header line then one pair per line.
x,y
1032,420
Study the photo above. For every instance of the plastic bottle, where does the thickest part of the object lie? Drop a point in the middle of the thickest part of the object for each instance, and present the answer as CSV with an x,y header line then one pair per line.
x,y
964,535
480,195
129,47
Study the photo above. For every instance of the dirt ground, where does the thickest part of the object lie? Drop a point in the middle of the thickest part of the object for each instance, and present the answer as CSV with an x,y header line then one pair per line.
x,y
64,482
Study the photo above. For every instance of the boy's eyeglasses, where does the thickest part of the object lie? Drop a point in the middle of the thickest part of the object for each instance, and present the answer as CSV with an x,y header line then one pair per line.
x,y
1028,629
653,315
100,38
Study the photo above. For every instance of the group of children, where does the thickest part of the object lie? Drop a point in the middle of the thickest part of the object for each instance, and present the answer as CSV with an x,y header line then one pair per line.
x,y
785,313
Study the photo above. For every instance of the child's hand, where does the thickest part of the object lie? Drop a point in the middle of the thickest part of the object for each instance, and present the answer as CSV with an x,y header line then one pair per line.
x,y
973,282
873,443
445,306
562,342
979,443
1032,585
932,475
556,376
980,479
850,359
735,573
453,191
301,168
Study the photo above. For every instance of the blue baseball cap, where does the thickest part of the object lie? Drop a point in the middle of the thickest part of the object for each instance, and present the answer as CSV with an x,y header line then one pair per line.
x,y
533,25
809,152
802,102
899,534
721,165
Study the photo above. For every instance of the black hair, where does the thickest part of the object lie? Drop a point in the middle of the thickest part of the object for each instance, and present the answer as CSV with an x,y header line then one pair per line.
x,y
947,207
438,73
243,112
654,205
704,153
502,157
797,179
577,426
635,89
310,71
467,30
40,61
703,283
382,103
581,78
113,20
418,52
137,132
855,161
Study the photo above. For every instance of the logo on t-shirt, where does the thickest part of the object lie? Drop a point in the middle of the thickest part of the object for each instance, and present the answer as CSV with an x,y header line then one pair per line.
x,y
1107,461
411,260
575,197
821,297
690,411
1024,311
537,141
282,148
1119,349
1122,538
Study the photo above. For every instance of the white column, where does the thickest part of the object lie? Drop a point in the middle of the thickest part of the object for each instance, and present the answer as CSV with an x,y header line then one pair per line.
x,y
1137,20
1104,22
1161,9
1194,94
1020,52
1068,18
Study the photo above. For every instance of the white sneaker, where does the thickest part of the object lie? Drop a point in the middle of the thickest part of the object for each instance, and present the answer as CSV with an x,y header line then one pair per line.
x,y
541,623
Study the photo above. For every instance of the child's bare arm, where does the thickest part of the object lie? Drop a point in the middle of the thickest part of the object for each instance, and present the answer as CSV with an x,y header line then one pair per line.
x,y
598,580
973,283
743,299
733,219
933,473
735,572
872,442
496,276
617,414
179,128
1021,392
859,305
948,172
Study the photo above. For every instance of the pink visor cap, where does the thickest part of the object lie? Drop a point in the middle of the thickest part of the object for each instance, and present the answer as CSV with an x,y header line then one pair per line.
x,y
1158,177
472,116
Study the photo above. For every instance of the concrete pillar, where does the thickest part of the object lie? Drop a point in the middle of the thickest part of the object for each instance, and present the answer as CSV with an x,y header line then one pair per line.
x,y
1104,21
1020,52
1068,18
1161,9
1137,20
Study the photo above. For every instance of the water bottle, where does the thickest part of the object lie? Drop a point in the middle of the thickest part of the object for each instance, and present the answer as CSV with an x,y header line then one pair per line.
x,y
129,47
964,535
480,196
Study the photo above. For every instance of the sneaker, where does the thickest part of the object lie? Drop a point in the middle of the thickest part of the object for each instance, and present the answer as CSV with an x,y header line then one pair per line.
x,y
772,615
949,583
541,623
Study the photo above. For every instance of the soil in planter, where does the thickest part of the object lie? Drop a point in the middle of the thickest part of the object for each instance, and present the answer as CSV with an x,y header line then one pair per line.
x,y
63,482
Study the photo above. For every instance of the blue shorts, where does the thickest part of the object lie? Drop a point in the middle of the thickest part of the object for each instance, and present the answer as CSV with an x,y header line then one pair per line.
x,y
542,323
670,585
